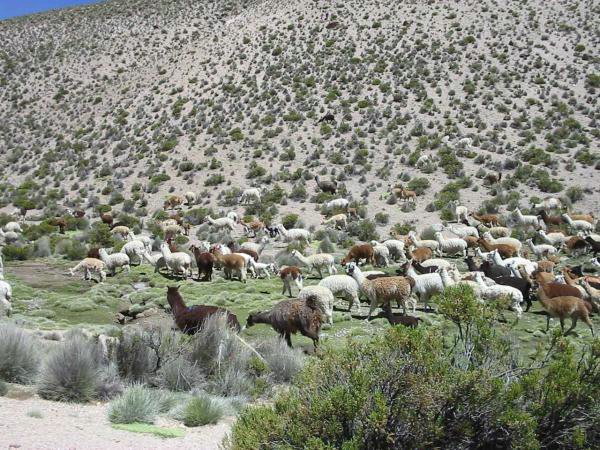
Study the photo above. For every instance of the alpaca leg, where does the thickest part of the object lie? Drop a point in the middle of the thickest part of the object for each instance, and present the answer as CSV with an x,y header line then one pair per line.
x,y
547,323
562,325
573,323
288,339
127,268
587,320
284,286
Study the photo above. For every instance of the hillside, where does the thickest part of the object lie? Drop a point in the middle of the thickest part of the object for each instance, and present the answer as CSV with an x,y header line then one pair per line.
x,y
101,103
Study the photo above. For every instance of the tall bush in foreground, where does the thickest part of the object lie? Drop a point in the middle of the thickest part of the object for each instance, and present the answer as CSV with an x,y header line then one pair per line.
x,y
19,358
411,389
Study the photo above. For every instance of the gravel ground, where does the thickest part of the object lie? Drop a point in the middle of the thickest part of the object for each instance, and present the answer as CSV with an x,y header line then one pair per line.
x,y
64,426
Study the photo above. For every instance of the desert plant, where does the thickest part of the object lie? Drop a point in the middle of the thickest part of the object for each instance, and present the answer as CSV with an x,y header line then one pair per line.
x,y
19,359
284,362
72,373
138,404
202,410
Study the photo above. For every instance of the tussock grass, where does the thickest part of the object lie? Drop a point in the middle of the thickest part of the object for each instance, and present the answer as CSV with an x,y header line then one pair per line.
x,y
19,357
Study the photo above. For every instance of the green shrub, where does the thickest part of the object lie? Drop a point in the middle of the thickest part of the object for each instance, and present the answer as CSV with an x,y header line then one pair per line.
x,y
419,185
19,358
72,372
12,252
289,220
382,218
364,230
202,410
100,235
574,193
138,404
406,389
214,180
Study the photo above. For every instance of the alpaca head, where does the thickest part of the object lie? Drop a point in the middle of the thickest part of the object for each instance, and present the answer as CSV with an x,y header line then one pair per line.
x,y
352,267
251,319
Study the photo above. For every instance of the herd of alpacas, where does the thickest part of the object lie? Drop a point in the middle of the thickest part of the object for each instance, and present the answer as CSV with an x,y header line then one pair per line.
x,y
499,265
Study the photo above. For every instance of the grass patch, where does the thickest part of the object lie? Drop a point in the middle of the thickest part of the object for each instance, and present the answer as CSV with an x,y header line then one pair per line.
x,y
150,429
202,410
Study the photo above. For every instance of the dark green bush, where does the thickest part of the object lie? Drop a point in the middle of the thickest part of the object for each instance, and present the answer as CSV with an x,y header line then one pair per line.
x,y
12,252
289,220
406,389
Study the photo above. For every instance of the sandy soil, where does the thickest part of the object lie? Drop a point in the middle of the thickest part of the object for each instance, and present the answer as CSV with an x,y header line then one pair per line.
x,y
73,427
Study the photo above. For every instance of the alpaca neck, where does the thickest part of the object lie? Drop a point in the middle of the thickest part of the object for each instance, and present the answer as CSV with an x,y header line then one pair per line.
x,y
446,280
358,276
176,302
486,245
300,257
410,271
165,250
262,317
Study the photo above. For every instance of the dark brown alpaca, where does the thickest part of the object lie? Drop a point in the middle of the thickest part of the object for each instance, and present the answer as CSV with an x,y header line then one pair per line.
x,y
107,218
407,321
59,222
190,319
93,252
290,316
358,252
550,220
205,262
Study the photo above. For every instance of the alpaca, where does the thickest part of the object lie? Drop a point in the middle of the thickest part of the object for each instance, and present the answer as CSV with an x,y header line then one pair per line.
x,y
90,266
190,319
318,261
326,186
221,223
177,262
288,275
204,261
115,260
290,316
250,195
563,307
358,252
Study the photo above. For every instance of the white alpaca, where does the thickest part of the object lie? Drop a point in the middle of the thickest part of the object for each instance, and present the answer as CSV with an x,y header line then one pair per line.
x,y
152,258
294,234
381,254
343,286
338,203
525,221
431,244
265,269
460,212
451,246
557,239
425,285
395,247
90,266
448,280
500,291
465,142
250,195
324,298
462,231
5,299
134,250
221,223
549,203
318,261
146,240
115,260
513,263
338,221
190,198
257,247
578,225
178,262
233,216
515,243
541,250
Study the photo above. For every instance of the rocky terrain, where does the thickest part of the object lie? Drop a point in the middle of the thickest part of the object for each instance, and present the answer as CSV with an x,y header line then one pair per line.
x,y
127,101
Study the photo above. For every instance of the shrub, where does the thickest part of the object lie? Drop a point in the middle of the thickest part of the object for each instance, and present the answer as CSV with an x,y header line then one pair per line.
x,y
134,356
138,404
364,230
574,193
100,235
178,374
41,248
284,362
289,220
326,246
382,218
19,359
202,410
12,252
72,372
419,185
73,250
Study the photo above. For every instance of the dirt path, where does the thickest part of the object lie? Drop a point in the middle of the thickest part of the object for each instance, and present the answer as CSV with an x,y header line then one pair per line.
x,y
40,274
65,426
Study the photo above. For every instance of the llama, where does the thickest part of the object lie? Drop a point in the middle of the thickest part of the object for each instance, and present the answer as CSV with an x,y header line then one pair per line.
x,y
339,221
191,198
563,307
176,262
424,285
233,263
294,234
221,223
288,275
250,195
190,319
326,186
290,316
382,291
358,252
204,261
173,202
337,204
318,261
115,260
90,266
500,291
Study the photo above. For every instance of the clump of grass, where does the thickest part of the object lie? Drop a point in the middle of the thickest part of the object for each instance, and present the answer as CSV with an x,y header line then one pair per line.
x,y
19,358
35,413
179,374
202,410
138,404
283,361
72,373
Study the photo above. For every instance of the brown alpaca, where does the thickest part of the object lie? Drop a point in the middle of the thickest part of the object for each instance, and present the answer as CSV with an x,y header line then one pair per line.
x,y
255,226
59,222
358,252
290,316
107,218
249,252
487,219
563,307
420,254
587,217
407,321
576,245
505,250
93,252
190,319
550,220
231,264
172,202
289,275
546,265
204,261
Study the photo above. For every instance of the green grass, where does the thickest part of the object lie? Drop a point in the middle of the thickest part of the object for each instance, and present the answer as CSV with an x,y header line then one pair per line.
x,y
150,429
92,305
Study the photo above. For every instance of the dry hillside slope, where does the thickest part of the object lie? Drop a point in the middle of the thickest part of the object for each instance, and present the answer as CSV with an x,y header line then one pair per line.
x,y
107,102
